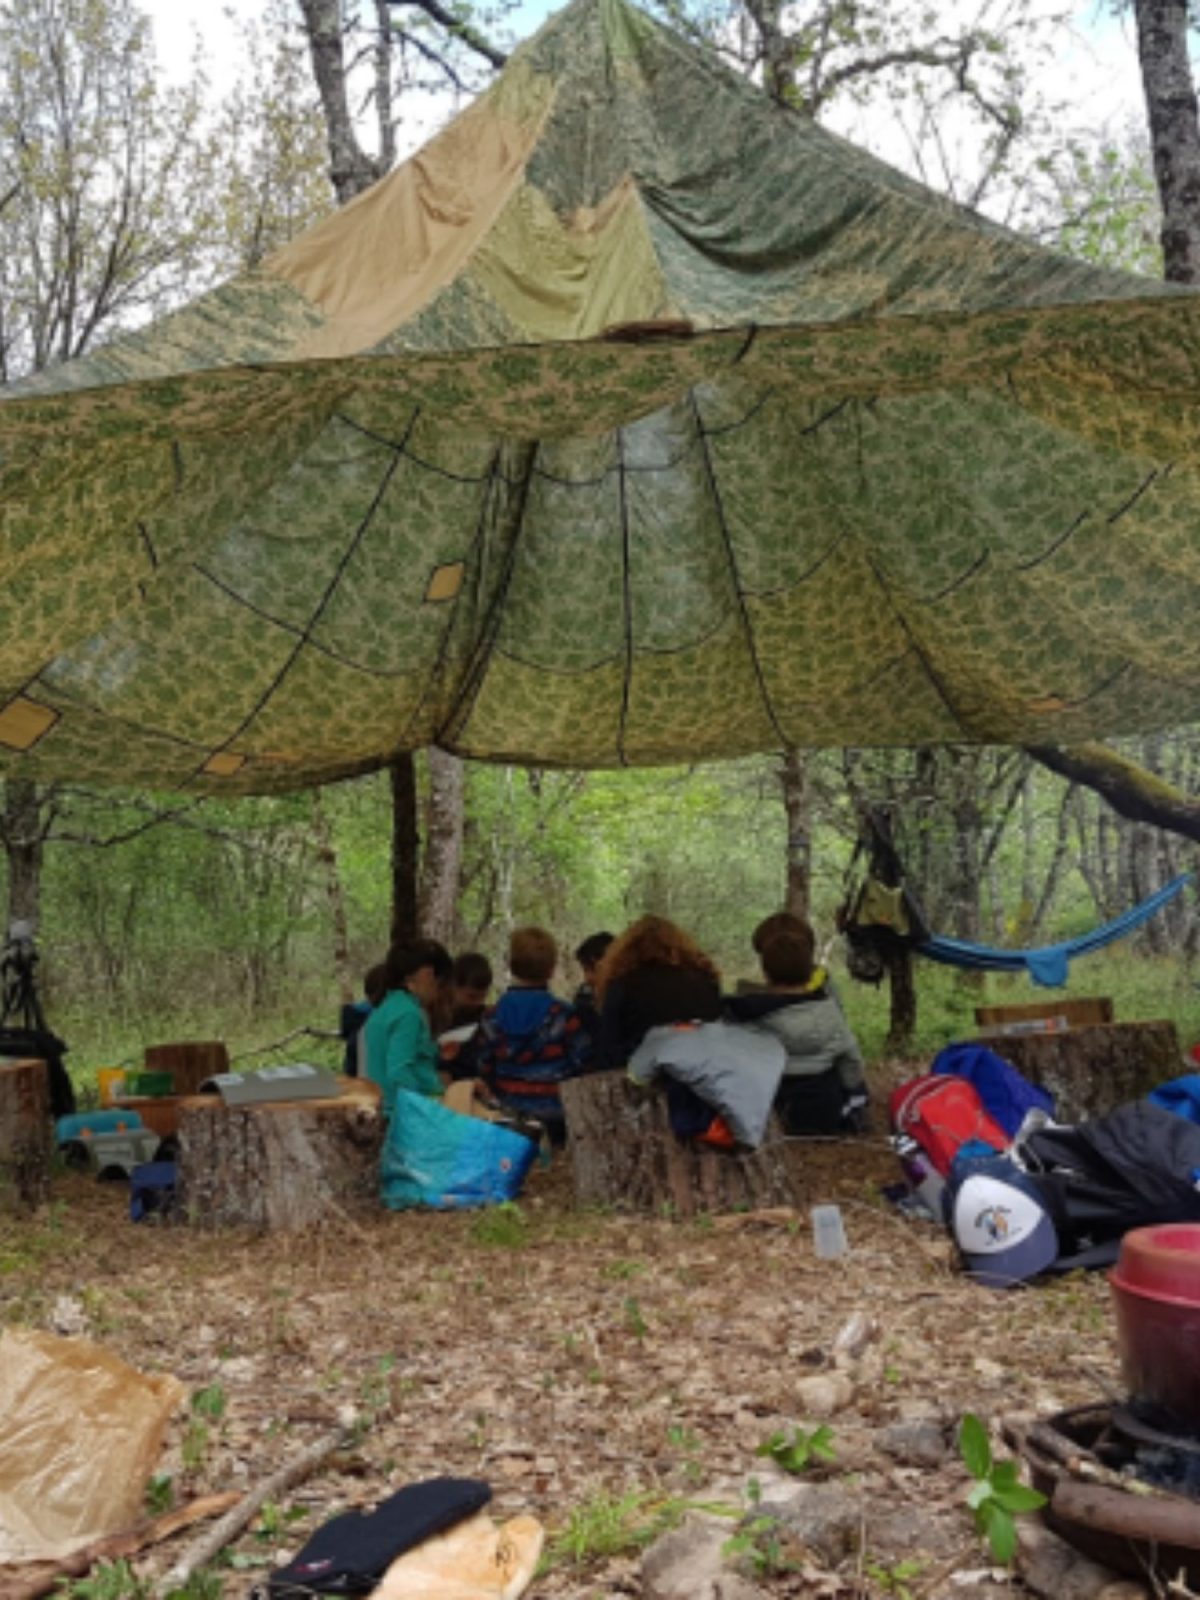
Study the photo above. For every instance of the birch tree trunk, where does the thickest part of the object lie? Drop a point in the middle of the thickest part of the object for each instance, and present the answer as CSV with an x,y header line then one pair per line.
x,y
442,857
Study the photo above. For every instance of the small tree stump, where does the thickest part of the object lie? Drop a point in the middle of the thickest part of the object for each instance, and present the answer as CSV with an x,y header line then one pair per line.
x,y
1092,1071
280,1166
24,1135
190,1063
624,1154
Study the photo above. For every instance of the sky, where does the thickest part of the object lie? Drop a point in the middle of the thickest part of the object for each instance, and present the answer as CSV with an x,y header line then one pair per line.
x,y
1095,71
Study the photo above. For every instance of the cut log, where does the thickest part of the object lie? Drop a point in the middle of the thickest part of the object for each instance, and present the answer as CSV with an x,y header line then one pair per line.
x,y
24,1135
280,1166
190,1063
624,1154
1092,1071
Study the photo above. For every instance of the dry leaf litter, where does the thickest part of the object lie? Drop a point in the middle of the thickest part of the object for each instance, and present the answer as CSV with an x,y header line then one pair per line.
x,y
574,1359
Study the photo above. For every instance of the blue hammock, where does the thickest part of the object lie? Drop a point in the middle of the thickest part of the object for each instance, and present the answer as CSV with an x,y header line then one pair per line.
x,y
1050,965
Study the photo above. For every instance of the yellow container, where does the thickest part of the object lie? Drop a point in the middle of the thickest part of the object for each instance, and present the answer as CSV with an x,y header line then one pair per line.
x,y
111,1082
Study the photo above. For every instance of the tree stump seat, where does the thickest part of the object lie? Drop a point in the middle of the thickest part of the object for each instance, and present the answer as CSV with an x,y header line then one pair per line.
x,y
624,1154
24,1135
1091,1071
279,1166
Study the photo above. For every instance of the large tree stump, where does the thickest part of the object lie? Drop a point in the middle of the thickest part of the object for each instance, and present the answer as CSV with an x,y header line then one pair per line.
x,y
1091,1071
279,1166
24,1135
624,1154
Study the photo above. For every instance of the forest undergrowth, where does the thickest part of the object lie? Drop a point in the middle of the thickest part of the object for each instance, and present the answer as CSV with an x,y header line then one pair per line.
x,y
1142,987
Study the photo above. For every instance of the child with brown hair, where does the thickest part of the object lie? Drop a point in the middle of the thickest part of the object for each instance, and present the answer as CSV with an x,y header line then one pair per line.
x,y
529,1041
823,1090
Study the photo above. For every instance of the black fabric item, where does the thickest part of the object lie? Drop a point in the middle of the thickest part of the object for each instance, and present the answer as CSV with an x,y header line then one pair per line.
x,y
351,1554
351,1020
39,1044
753,1007
812,1104
652,997
1135,1168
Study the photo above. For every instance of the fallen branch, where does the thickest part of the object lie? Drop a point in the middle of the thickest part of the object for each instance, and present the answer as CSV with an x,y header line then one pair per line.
x,y
1170,1520
30,1579
210,1544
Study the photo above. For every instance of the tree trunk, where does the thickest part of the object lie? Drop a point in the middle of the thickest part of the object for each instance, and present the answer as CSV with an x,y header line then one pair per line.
x,y
23,833
793,776
442,857
1171,113
624,1154
902,1022
351,169
278,1167
24,1135
1091,1071
405,847
327,860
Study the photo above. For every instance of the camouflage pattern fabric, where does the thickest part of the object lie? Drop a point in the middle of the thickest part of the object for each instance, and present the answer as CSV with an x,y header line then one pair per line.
x,y
636,419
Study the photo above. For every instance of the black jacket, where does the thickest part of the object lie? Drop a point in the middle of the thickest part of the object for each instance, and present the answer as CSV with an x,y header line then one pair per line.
x,y
650,997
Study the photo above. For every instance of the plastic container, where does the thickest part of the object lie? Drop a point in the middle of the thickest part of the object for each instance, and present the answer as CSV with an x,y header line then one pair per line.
x,y
829,1232
1156,1288
149,1083
111,1082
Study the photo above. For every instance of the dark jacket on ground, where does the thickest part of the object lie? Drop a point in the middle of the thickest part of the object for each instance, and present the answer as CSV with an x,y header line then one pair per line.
x,y
650,997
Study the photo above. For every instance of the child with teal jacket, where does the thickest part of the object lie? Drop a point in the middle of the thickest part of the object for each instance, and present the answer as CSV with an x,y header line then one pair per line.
x,y
401,1053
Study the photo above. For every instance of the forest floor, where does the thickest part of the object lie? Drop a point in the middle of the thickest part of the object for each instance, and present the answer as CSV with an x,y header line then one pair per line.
x,y
602,1372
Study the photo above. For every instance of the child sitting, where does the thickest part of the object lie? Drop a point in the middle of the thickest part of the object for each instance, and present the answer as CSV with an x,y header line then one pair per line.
x,y
589,956
823,1090
529,1041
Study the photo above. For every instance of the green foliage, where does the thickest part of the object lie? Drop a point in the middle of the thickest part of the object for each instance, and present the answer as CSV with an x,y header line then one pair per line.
x,y
896,1578
634,1320
760,1544
997,1496
501,1227
110,1580
800,1450
209,1402
608,1525
275,1520
159,1495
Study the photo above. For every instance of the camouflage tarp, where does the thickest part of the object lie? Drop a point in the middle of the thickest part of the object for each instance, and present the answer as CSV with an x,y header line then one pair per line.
x,y
635,419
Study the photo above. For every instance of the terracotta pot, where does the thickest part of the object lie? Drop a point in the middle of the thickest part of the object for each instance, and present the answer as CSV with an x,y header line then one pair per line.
x,y
1156,1286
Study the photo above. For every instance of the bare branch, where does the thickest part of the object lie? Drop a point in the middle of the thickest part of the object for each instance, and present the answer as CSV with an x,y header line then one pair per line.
x,y
431,55
460,29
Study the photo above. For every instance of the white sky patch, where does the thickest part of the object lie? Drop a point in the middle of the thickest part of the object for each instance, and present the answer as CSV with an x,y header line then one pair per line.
x,y
1093,74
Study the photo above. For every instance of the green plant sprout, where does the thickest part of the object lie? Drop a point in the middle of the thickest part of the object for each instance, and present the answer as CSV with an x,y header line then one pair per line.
x,y
997,1497
895,1580
801,1451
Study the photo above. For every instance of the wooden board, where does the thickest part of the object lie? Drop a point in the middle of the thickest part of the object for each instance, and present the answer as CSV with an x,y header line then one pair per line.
x,y
1079,1013
1091,1071
24,1135
280,1166
624,1154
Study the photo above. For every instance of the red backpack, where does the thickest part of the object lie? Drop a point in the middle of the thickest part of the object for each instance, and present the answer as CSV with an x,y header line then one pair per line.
x,y
941,1114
